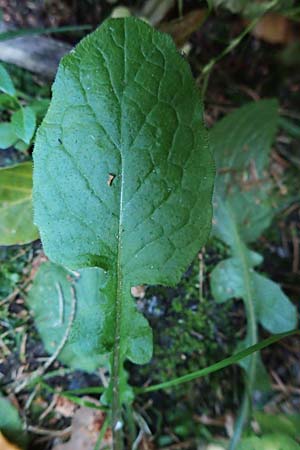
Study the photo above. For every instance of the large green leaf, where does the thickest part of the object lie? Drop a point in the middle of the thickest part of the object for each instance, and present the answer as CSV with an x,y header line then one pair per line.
x,y
10,423
53,302
16,214
123,174
243,210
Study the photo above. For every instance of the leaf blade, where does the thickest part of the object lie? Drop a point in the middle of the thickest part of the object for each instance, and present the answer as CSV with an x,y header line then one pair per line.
x,y
129,177
131,148
111,137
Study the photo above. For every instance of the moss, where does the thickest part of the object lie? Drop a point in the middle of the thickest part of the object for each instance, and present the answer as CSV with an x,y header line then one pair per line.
x,y
191,332
13,270
12,263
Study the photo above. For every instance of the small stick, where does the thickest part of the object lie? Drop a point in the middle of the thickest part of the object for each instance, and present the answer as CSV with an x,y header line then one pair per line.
x,y
60,303
201,270
46,432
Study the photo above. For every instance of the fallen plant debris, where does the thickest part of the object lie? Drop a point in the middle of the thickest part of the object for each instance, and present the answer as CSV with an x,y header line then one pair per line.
x,y
86,426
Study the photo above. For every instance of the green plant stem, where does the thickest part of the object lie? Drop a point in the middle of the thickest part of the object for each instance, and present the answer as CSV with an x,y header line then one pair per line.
x,y
117,423
206,71
219,365
77,400
252,338
241,420
88,390
180,8
7,35
102,433
55,373
130,426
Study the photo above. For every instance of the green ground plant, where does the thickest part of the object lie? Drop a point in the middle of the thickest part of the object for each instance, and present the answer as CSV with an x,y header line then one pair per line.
x,y
118,204
109,207
245,204
19,130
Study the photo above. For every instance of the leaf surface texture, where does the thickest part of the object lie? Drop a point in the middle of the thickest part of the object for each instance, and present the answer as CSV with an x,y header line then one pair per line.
x,y
123,173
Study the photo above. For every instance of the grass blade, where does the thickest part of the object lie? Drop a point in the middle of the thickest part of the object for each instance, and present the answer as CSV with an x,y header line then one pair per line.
x,y
12,34
219,365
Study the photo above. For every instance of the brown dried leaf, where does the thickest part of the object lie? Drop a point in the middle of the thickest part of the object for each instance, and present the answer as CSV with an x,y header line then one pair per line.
x,y
181,29
65,407
86,425
274,29
146,443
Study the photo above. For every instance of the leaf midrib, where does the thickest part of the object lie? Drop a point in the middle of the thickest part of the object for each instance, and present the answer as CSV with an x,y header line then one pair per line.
x,y
251,331
116,414
249,298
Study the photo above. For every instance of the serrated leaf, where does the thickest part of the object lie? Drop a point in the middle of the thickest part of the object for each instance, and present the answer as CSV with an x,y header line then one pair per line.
x,y
123,174
24,123
273,441
250,443
16,214
7,135
243,212
243,138
279,442
10,423
272,307
288,424
51,302
6,84
275,311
